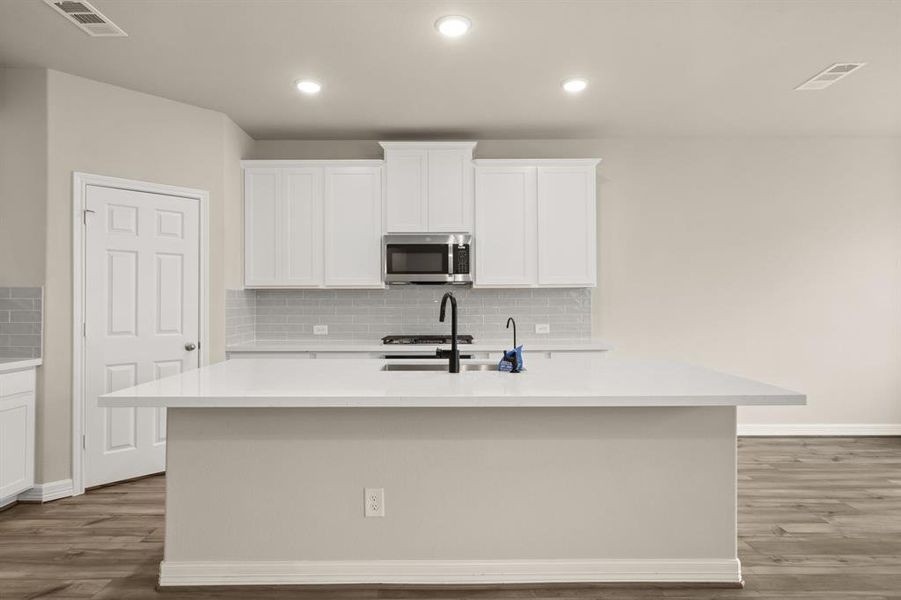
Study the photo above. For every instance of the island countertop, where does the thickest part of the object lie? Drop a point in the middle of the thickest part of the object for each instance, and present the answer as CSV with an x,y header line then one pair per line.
x,y
571,382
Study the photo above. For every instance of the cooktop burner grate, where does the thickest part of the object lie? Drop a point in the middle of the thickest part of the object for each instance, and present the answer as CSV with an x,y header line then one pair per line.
x,y
432,338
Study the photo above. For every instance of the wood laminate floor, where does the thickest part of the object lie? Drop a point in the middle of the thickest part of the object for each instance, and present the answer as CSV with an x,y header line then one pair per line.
x,y
819,518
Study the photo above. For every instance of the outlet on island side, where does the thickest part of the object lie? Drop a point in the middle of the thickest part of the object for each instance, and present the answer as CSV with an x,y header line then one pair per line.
x,y
320,329
542,328
374,502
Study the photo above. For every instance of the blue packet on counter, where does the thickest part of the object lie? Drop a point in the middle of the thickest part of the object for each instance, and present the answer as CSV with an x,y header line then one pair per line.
x,y
512,361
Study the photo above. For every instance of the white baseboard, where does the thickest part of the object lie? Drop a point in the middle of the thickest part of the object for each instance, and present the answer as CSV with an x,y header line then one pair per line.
x,y
45,492
449,572
823,429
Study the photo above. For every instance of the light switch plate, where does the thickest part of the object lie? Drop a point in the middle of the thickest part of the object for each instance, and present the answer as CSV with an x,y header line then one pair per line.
x,y
542,328
320,329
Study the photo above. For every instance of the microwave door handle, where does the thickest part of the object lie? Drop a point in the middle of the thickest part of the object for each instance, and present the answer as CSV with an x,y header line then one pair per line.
x,y
450,260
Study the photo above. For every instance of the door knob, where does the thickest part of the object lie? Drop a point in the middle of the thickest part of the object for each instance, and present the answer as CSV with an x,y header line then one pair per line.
x,y
190,346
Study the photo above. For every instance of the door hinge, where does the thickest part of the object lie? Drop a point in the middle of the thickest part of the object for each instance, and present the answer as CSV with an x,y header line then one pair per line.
x,y
84,215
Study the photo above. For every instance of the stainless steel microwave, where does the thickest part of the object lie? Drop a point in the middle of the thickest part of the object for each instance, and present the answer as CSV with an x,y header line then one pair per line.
x,y
428,258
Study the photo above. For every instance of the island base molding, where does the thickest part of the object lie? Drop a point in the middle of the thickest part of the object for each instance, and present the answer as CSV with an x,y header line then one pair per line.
x,y
451,572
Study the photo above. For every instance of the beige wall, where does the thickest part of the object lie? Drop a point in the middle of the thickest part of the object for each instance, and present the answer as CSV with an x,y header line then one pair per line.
x,y
23,175
776,259
236,145
107,130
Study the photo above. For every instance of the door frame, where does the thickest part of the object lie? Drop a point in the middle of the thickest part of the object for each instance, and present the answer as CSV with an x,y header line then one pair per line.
x,y
80,183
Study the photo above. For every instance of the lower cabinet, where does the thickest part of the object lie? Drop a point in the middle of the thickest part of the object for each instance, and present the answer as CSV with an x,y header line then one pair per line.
x,y
16,432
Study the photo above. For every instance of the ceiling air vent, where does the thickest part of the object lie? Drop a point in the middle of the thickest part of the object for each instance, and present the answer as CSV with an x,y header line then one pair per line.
x,y
828,76
87,18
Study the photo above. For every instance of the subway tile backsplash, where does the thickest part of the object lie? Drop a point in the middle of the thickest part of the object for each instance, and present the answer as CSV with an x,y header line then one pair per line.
x,y
240,314
367,315
21,322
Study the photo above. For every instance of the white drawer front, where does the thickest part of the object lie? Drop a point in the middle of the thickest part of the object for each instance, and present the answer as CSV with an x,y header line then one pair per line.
x,y
17,382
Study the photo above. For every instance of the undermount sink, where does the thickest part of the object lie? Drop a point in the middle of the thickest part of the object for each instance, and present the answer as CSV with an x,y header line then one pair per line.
x,y
438,367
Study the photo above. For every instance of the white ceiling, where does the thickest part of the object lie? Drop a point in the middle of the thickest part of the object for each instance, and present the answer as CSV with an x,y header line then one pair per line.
x,y
655,68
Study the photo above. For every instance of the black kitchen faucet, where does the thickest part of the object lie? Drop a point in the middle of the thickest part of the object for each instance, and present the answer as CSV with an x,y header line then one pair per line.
x,y
452,355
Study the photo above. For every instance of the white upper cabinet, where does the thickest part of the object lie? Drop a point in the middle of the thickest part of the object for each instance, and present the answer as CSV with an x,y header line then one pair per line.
x,y
535,223
428,186
406,190
450,190
353,227
301,227
567,226
262,230
312,224
505,232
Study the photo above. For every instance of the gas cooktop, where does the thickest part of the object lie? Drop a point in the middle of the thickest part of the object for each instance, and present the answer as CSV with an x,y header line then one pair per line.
x,y
429,338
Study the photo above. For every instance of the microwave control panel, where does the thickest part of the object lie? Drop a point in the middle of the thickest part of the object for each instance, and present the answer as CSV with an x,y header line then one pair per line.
x,y
461,259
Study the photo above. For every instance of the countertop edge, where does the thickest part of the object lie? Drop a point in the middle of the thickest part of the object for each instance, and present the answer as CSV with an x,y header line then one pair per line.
x,y
365,347
20,364
453,402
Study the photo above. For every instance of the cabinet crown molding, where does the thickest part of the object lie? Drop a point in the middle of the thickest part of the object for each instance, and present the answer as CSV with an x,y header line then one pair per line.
x,y
536,162
424,145
282,164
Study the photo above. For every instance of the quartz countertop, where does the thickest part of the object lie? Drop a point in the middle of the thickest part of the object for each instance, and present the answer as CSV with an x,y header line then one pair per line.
x,y
588,345
578,381
17,364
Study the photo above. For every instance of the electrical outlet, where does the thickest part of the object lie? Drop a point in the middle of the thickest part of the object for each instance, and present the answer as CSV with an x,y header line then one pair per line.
x,y
542,328
374,502
320,329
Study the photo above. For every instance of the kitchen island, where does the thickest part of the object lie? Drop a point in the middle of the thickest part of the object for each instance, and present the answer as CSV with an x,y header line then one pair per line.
x,y
590,469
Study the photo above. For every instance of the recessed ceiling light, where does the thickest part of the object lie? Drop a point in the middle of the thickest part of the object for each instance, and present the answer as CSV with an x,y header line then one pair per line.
x,y
453,26
574,86
308,87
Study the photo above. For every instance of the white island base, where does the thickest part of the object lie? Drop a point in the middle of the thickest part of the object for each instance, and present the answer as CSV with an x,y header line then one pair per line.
x,y
497,495
627,475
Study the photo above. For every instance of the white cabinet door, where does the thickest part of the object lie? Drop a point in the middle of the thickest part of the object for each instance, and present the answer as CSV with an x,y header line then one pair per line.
x,y
17,437
406,191
262,226
505,228
450,190
301,209
566,226
352,227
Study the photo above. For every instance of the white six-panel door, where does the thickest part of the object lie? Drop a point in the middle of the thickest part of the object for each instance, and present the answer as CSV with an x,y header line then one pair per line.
x,y
141,320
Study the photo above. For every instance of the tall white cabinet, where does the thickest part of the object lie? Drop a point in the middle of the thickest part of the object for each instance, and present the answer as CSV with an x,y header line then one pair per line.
x,y
312,224
535,223
428,186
